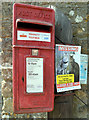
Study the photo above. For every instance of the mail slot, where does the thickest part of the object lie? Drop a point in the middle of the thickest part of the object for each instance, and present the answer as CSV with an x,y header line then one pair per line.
x,y
33,58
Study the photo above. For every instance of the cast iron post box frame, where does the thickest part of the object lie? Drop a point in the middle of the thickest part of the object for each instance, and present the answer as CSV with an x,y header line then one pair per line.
x,y
29,19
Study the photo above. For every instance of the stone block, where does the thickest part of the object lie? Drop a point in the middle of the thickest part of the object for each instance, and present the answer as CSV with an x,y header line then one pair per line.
x,y
6,43
39,115
22,116
7,74
6,57
6,8
7,105
6,89
83,44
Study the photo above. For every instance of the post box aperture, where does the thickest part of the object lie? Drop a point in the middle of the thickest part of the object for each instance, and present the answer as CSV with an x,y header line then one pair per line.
x,y
33,59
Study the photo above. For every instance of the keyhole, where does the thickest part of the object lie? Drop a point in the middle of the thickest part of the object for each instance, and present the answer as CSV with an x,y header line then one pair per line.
x,y
23,79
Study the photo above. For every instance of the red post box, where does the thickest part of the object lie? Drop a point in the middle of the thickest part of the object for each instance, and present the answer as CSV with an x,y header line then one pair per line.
x,y
33,58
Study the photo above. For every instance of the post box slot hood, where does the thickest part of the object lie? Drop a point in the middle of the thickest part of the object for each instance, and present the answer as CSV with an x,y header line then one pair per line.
x,y
26,24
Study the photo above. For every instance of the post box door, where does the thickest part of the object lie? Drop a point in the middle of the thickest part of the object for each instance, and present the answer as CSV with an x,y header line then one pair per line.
x,y
35,98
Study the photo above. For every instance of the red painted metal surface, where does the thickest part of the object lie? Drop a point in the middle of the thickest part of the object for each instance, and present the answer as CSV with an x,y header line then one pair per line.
x,y
36,19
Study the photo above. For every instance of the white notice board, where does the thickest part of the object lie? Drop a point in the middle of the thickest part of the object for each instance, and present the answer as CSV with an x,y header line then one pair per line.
x,y
34,75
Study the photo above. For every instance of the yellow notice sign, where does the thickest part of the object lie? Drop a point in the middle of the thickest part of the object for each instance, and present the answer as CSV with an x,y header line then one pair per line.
x,y
67,78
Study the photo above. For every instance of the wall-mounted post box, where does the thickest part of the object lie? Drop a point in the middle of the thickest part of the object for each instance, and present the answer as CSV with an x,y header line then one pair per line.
x,y
33,58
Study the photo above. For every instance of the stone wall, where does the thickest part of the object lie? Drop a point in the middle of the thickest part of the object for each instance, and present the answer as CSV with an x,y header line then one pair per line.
x,y
0,57
77,14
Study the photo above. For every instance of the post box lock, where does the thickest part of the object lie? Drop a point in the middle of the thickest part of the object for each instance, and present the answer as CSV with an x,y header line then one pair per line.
x,y
23,79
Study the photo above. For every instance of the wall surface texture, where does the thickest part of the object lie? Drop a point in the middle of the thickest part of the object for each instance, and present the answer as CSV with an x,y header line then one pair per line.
x,y
77,13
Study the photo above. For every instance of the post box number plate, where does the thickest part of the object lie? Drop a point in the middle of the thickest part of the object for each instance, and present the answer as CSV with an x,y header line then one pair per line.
x,y
34,36
34,75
